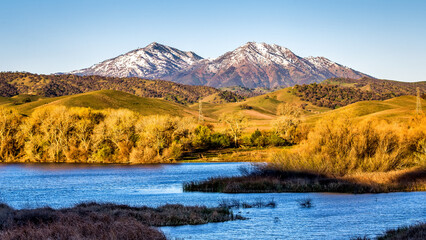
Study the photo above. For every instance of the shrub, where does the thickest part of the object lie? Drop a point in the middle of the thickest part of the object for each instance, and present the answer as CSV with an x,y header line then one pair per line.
x,y
202,137
264,138
245,106
220,140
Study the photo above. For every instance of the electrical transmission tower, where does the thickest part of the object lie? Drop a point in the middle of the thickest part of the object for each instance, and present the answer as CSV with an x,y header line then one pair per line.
x,y
419,103
200,112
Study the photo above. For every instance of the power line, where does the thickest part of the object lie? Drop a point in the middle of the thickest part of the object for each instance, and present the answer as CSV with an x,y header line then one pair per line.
x,y
419,103
200,112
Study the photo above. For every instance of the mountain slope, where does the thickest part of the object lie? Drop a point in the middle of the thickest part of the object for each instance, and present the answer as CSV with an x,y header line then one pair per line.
x,y
400,108
153,61
251,65
261,65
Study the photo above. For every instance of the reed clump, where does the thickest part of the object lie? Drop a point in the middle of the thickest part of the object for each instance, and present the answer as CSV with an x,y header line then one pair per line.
x,y
258,203
414,232
305,203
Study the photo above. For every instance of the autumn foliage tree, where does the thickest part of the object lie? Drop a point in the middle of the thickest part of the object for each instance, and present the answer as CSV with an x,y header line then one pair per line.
x,y
58,134
287,125
10,142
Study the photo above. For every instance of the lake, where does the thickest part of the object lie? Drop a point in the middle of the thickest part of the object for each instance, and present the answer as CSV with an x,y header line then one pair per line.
x,y
333,216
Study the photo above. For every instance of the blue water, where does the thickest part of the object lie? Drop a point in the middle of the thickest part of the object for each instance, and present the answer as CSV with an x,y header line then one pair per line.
x,y
333,216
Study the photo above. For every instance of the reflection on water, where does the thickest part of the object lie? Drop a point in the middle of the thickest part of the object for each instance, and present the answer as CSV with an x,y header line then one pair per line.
x,y
76,166
334,216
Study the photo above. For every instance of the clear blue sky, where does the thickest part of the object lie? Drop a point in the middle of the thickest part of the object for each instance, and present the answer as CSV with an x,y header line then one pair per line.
x,y
384,38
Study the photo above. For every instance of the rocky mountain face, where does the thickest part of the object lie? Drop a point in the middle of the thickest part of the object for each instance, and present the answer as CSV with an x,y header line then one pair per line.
x,y
251,65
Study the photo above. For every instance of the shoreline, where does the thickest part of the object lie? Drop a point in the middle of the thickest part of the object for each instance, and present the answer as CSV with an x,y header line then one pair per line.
x,y
408,180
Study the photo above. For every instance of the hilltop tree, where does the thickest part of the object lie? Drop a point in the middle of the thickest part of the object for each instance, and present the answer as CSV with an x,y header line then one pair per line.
x,y
289,109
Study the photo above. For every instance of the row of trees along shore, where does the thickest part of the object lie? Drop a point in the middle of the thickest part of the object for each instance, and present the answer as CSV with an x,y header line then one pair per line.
x,y
83,135
334,145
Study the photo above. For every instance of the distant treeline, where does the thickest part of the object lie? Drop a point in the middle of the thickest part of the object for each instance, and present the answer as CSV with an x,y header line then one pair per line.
x,y
338,92
14,83
249,92
229,96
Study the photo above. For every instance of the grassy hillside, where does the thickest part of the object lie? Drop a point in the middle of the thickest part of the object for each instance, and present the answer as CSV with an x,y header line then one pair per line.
x,y
398,108
102,100
338,92
379,85
259,107
260,110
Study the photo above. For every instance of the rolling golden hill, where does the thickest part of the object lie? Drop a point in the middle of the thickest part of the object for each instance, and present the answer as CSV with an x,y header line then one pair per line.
x,y
99,100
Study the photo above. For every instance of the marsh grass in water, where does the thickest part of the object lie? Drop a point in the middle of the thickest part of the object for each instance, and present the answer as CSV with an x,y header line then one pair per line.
x,y
305,203
266,180
103,221
258,203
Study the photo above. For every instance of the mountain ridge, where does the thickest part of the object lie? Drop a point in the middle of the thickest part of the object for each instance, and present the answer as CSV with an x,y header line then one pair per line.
x,y
251,65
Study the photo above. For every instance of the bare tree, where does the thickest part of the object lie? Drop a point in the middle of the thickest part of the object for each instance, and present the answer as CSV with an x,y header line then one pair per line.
x,y
235,124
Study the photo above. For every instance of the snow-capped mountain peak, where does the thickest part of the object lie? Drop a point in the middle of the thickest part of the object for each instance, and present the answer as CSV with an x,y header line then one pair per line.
x,y
250,65
153,61
262,53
